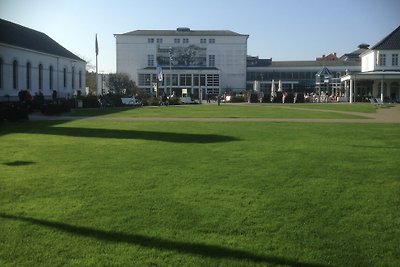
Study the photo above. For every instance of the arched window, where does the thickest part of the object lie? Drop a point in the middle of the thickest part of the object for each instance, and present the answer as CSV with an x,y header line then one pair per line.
x,y
15,74
28,75
40,76
51,78
1,73
73,78
65,77
80,79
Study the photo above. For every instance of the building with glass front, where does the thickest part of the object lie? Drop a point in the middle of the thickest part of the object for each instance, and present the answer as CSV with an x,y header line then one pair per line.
x,y
296,76
209,62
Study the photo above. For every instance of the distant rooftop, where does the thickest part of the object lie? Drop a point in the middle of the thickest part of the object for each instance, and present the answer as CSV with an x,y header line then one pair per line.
x,y
252,62
183,31
355,55
20,36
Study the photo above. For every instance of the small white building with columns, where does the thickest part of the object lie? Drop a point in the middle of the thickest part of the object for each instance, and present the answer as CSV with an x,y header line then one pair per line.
x,y
380,71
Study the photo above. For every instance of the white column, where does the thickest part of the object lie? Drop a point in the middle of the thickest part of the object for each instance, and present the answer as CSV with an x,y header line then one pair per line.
x,y
382,84
351,91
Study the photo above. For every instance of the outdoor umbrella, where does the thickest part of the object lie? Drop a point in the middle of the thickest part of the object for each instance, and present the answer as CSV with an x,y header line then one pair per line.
x,y
280,86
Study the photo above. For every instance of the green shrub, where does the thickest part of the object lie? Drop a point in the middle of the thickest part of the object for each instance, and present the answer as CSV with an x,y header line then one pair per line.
x,y
90,101
174,101
151,101
237,99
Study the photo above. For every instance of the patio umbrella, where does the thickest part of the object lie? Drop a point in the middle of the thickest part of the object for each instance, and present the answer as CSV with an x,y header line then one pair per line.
x,y
273,88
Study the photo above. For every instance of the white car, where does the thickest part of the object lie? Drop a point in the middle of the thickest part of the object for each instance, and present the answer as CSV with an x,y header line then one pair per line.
x,y
131,101
186,100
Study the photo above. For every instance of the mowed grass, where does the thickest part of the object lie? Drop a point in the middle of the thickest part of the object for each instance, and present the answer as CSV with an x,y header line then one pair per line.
x,y
106,193
236,111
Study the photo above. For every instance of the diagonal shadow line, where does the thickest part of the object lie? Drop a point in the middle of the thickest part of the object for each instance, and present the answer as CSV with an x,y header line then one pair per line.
x,y
129,134
211,251
19,163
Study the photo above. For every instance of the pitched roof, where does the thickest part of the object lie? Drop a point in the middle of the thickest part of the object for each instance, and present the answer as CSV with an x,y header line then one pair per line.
x,y
355,55
390,42
20,36
324,72
182,32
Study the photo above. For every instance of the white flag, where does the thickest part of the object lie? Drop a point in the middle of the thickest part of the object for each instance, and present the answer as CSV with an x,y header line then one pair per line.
x,y
160,74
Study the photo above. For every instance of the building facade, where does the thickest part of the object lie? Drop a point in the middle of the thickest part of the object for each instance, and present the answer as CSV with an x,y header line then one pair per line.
x,y
380,72
296,76
199,61
32,61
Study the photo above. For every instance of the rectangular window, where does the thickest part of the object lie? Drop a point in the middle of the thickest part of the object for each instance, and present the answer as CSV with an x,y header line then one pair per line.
x,y
159,40
395,59
177,41
185,80
382,60
203,40
211,40
144,79
150,40
211,60
150,60
174,79
185,40
202,80
213,80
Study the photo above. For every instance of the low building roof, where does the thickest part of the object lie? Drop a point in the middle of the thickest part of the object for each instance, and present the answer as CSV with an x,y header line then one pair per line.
x,y
20,36
308,63
182,32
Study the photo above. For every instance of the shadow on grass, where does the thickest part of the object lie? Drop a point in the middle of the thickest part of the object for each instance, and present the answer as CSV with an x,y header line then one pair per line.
x,y
197,249
48,129
19,163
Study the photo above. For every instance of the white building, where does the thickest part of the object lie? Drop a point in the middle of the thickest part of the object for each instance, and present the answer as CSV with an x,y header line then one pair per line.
x,y
380,71
31,60
210,61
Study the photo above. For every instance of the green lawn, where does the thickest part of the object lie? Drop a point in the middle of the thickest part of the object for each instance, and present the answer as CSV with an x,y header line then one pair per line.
x,y
112,193
235,111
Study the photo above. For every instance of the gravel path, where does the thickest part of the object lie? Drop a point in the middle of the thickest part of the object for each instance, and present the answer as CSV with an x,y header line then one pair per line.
x,y
383,115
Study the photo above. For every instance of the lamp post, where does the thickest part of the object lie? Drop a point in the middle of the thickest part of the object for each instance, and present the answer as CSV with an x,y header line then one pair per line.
x,y
170,71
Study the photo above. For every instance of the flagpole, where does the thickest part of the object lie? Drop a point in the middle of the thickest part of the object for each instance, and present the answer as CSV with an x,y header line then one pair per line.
x,y
97,52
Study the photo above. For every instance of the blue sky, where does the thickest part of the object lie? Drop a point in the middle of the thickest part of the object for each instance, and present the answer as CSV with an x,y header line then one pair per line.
x,y
283,30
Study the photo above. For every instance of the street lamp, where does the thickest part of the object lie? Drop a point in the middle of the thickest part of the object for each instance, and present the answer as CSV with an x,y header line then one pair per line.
x,y
170,70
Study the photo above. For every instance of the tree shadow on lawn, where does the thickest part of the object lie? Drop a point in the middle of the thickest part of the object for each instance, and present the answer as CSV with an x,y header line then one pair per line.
x,y
19,163
197,249
49,129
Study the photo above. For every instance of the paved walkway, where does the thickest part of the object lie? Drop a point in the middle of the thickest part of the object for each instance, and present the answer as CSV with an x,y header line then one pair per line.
x,y
383,115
